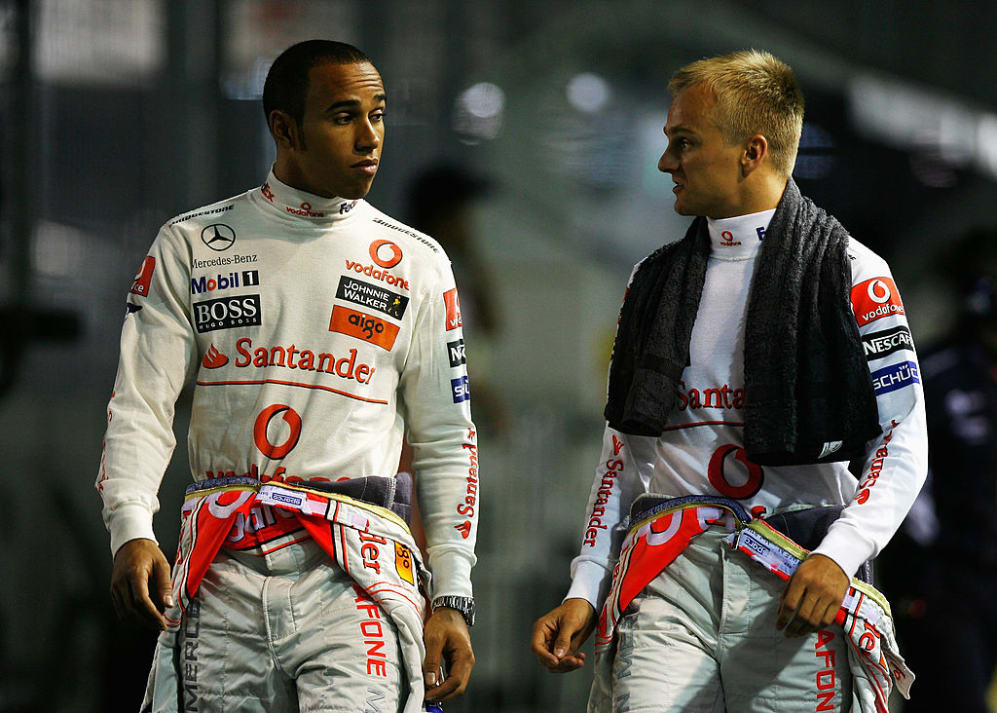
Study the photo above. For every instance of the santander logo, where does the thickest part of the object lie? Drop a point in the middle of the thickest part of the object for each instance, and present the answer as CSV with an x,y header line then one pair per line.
x,y
213,358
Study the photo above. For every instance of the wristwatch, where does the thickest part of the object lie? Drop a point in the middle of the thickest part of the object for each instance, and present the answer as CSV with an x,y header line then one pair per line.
x,y
465,605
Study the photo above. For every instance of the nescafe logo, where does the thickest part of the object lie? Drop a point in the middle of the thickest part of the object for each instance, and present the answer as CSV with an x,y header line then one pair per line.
x,y
385,253
262,428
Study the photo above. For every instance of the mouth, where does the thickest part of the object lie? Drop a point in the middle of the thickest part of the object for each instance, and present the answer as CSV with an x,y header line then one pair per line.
x,y
368,166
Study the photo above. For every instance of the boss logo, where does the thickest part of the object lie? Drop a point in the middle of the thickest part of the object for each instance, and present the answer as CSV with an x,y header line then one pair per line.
x,y
227,312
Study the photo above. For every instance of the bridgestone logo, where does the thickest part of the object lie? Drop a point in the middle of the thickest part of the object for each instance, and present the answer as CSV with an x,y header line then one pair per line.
x,y
881,344
372,296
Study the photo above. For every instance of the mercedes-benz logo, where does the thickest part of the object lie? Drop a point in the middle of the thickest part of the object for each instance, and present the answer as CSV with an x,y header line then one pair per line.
x,y
218,236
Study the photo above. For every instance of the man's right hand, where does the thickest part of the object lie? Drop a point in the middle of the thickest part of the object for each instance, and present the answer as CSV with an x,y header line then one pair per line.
x,y
140,566
558,634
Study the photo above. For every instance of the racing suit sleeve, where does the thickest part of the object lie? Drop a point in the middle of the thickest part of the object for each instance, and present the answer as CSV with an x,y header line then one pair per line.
x,y
435,391
617,482
158,355
896,463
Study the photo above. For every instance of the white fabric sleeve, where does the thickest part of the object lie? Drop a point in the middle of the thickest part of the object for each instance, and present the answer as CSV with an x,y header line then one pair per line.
x,y
896,463
617,482
436,397
158,354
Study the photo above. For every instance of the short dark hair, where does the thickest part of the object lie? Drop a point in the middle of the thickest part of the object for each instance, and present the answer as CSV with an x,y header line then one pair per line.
x,y
287,80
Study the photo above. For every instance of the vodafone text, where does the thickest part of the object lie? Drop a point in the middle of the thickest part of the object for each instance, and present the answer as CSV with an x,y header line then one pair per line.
x,y
614,467
372,631
377,274
825,679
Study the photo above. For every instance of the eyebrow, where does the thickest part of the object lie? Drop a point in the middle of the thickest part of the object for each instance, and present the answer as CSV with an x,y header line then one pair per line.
x,y
679,130
350,103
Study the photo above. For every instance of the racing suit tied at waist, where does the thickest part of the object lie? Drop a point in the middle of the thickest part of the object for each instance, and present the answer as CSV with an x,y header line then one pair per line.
x,y
370,542
664,527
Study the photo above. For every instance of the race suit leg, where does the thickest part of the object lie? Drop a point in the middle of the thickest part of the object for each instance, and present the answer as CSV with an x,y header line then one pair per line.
x,y
702,639
287,630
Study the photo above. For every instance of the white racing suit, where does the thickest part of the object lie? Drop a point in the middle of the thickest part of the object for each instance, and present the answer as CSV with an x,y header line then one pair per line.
x,y
707,597
318,333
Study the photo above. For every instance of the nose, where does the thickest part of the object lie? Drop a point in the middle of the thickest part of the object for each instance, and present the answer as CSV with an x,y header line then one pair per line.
x,y
368,137
667,162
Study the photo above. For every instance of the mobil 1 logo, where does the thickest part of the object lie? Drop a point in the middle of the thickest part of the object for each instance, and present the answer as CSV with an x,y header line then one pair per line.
x,y
455,350
227,312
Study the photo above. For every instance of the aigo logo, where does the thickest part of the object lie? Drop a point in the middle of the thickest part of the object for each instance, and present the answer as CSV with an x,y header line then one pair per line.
x,y
377,253
262,427
363,326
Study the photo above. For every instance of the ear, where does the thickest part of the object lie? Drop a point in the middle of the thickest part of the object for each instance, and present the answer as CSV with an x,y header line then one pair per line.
x,y
756,151
284,130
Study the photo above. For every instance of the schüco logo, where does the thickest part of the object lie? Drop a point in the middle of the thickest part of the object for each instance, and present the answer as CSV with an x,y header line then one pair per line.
x,y
262,431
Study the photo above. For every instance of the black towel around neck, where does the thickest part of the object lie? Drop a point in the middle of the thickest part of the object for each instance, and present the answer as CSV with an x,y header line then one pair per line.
x,y
808,393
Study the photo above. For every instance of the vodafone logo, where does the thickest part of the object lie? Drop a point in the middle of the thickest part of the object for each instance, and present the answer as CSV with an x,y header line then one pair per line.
x,y
727,239
721,473
142,279
385,253
875,298
262,430
879,291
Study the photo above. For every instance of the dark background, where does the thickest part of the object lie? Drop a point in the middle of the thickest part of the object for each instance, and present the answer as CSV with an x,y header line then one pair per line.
x,y
117,114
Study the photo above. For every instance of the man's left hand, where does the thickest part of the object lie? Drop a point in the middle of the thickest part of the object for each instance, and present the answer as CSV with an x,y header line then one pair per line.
x,y
447,637
812,596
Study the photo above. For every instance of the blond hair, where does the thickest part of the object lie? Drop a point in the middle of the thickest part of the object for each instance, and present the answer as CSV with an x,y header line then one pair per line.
x,y
755,93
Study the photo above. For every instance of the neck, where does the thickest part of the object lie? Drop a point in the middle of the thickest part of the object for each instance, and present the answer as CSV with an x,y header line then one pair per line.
x,y
758,193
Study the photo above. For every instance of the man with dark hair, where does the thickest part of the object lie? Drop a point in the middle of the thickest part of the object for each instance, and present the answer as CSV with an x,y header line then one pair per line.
x,y
315,329
751,364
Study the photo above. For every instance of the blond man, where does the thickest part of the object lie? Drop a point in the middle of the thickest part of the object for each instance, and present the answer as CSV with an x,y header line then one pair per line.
x,y
754,358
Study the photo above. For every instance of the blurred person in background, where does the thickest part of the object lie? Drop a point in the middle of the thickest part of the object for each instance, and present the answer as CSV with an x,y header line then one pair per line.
x,y
943,571
315,328
739,390
441,200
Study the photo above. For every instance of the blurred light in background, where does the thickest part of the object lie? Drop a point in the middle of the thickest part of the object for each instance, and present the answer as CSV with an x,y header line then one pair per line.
x,y
588,92
100,42
943,133
479,111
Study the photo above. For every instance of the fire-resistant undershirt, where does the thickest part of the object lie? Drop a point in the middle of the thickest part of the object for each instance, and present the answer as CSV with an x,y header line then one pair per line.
x,y
318,333
701,451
